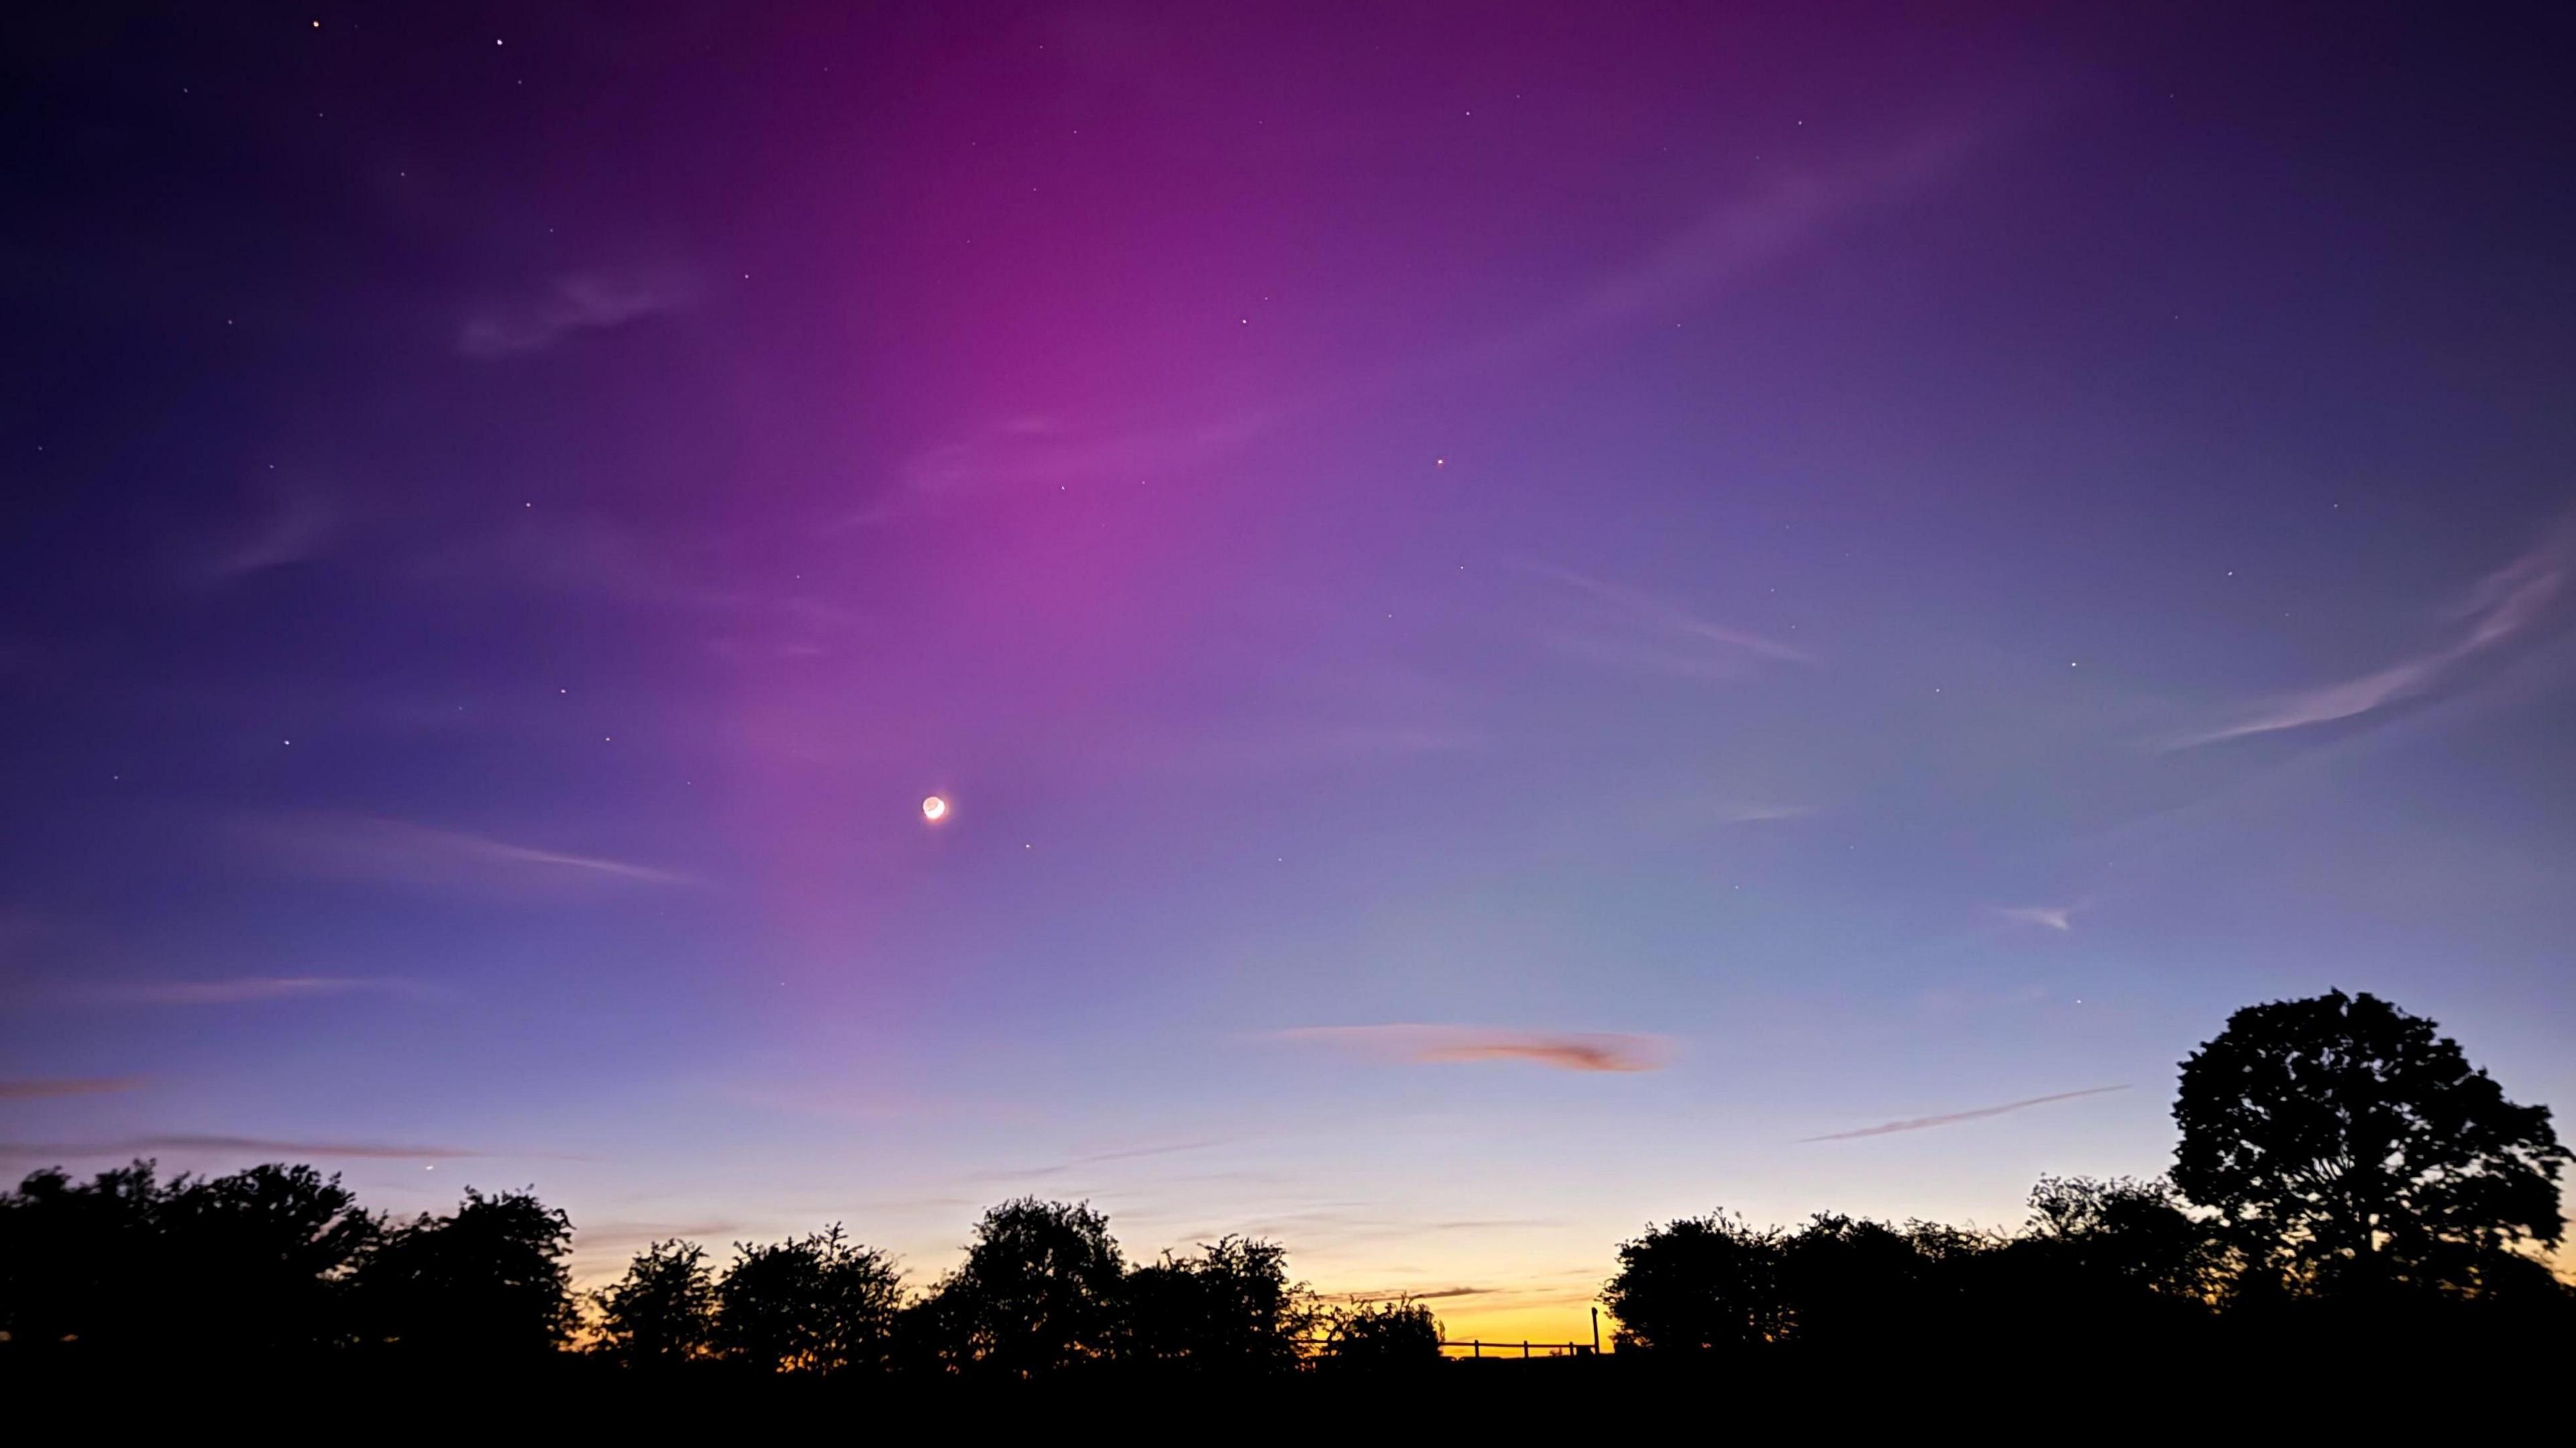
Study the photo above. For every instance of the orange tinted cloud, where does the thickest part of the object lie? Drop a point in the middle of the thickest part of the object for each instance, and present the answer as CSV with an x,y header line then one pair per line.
x,y
1562,1050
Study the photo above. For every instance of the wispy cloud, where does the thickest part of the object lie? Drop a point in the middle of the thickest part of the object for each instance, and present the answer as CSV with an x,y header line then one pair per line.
x,y
589,555
1323,744
1096,1158
1752,814
1443,1045
237,1145
1416,1294
1923,1123
1035,450
400,852
580,302
610,1234
297,528
1730,243
1626,628
45,1088
2503,605
246,988
2053,917
1723,248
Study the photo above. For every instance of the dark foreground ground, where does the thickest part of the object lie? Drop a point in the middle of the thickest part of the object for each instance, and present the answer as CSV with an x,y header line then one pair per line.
x,y
2371,1393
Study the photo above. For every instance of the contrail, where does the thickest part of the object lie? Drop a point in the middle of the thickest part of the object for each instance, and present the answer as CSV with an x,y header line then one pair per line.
x,y
1919,1123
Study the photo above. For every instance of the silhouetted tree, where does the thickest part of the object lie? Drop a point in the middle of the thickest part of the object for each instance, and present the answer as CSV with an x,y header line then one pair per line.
x,y
489,1281
253,1262
1037,1293
816,1304
2125,1235
77,1259
663,1311
1381,1337
259,1260
1849,1281
2347,1147
1698,1283
1230,1309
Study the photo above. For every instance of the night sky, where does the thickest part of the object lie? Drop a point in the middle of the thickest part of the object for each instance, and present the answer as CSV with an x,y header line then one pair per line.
x,y
1530,617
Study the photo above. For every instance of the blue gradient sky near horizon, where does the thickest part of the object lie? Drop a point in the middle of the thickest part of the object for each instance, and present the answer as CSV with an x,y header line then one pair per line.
x,y
1521,613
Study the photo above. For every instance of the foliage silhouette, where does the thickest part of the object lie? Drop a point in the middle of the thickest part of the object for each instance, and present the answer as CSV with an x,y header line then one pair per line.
x,y
2122,1239
2345,1148
1850,1282
818,1304
1039,1292
662,1312
2346,1183
1381,1338
486,1282
255,1262
1698,1284
1230,1309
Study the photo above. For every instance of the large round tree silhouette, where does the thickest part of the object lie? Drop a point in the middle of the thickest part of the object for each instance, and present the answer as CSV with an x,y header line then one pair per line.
x,y
2348,1147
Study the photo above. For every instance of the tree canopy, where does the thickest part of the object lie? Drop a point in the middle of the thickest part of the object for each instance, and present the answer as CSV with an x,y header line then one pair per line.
x,y
1039,1291
2347,1147
815,1304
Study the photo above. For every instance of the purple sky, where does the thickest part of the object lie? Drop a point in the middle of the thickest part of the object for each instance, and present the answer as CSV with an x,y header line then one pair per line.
x,y
1532,621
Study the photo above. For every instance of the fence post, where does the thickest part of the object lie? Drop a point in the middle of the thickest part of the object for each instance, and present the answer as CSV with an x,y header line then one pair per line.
x,y
1596,1332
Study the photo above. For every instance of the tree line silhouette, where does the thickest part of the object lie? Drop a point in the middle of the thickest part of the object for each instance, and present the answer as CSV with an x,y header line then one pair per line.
x,y
2341,1168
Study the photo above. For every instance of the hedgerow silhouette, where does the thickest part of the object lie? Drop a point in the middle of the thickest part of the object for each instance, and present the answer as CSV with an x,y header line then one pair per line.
x,y
2342,1172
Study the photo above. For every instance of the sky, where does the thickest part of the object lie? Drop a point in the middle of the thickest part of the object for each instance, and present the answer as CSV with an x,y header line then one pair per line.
x,y
1530,618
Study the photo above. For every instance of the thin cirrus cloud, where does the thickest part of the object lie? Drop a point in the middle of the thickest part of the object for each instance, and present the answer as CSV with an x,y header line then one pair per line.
x,y
2504,604
1729,244
1755,814
262,1146
580,302
1925,1123
1457,1045
1096,1158
47,1088
2051,917
1416,1294
299,527
1722,250
367,847
238,989
1626,628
